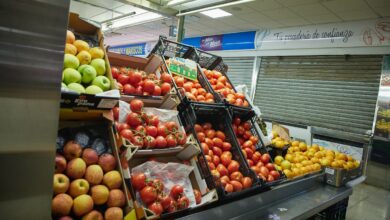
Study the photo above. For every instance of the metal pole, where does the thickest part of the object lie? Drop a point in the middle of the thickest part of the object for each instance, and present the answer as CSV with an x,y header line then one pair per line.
x,y
180,29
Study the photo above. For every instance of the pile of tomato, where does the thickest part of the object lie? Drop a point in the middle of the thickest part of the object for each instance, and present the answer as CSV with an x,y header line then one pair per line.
x,y
146,130
136,82
193,90
152,195
220,84
260,163
218,154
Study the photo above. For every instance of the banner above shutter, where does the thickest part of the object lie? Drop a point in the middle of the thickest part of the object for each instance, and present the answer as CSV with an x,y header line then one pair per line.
x,y
337,92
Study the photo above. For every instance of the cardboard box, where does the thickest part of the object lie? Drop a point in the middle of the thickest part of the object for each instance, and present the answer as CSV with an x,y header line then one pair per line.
x,y
83,102
152,64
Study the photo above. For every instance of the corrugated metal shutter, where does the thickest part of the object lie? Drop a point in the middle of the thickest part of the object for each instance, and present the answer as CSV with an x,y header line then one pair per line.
x,y
240,70
337,92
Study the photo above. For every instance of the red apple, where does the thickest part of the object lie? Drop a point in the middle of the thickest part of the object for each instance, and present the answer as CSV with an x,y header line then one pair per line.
x,y
60,163
72,150
61,204
65,218
93,215
113,213
94,174
116,198
60,183
78,187
107,162
90,156
76,168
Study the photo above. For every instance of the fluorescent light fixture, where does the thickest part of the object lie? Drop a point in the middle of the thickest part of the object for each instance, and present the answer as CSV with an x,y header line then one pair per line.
x,y
132,20
175,2
216,13
214,7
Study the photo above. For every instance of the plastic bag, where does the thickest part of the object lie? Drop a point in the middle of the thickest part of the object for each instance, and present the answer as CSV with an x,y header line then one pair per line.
x,y
170,174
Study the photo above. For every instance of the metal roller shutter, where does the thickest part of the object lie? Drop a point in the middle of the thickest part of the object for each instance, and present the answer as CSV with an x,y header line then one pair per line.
x,y
240,70
337,92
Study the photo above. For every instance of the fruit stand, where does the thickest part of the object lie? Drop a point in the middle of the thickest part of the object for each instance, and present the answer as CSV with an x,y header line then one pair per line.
x,y
169,136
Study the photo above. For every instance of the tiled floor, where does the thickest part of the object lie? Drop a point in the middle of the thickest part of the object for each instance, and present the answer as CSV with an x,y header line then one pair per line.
x,y
369,203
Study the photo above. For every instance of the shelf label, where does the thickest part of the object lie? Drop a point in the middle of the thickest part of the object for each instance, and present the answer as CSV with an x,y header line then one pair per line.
x,y
329,171
183,67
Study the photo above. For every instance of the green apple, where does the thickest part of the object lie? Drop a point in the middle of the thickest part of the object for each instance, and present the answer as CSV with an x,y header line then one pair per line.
x,y
93,90
81,68
103,82
88,74
71,76
63,85
71,61
99,65
76,87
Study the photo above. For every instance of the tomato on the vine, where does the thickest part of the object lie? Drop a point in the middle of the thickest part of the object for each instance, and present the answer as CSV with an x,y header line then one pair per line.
x,y
136,105
176,191
171,140
138,181
183,202
148,194
156,208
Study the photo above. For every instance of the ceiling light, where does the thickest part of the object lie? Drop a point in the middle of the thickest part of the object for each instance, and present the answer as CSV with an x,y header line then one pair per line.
x,y
214,7
216,13
175,2
132,20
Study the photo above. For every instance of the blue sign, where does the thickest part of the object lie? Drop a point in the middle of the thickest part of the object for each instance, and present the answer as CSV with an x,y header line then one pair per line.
x,y
234,41
130,49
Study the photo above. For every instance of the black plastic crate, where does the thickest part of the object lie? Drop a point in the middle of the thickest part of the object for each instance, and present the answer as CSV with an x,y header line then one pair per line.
x,y
220,118
169,49
337,211
260,147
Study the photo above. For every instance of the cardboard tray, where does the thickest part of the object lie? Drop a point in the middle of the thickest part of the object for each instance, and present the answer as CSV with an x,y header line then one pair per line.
x,y
84,102
152,64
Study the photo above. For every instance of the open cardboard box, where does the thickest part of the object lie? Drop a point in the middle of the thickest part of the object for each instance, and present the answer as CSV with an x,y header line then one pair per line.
x,y
83,102
69,121
196,178
151,64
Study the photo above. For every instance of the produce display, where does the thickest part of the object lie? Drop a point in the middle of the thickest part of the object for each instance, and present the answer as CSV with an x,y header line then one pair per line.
x,y
279,142
137,82
302,159
261,164
218,153
146,130
86,184
84,69
220,84
161,194
194,90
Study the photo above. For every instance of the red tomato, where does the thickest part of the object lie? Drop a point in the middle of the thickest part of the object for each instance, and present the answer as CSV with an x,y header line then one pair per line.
x,y
183,202
256,157
237,186
120,86
209,96
215,174
138,141
158,185
165,77
226,146
217,151
237,121
226,159
133,119
114,72
171,126
138,181
275,174
209,142
218,142
237,175
265,158
244,154
181,138
123,79
211,153
157,91
171,140
216,160
176,191
198,128
220,135
148,86
161,142
254,139
179,81
172,207
140,130
138,90
202,91
205,147
233,166
224,180
270,178
198,196
165,88
115,111
187,86
162,130
149,142
222,79
240,130
208,158
222,170
255,169
210,133
148,194
128,89
165,200
211,165
247,135
156,208
250,162
229,188
135,78
249,152
270,166
246,182
123,126
264,171
259,164
126,133
151,130
207,126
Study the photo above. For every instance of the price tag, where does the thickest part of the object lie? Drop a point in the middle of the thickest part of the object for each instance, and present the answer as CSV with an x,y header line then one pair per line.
x,y
184,67
329,171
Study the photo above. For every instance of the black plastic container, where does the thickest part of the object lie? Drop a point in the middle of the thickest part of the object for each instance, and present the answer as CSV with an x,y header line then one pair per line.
x,y
220,118
337,211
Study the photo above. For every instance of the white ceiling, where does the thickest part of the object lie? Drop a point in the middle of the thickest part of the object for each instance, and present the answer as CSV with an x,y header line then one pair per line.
x,y
248,16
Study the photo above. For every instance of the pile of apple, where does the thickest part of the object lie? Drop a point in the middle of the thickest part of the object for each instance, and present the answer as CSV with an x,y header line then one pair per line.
x,y
136,82
152,195
146,131
84,67
221,85
219,158
193,90
260,163
82,181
